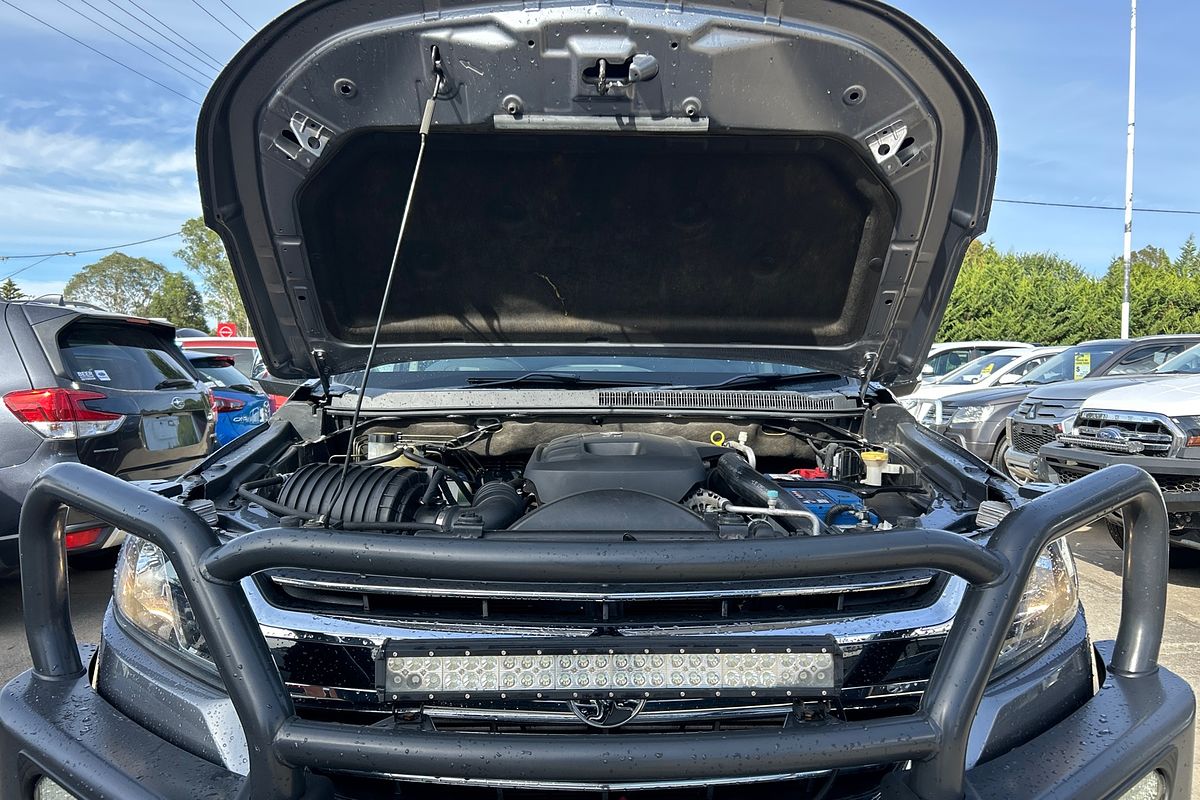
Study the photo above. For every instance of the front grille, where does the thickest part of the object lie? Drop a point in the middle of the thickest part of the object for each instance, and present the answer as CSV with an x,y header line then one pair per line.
x,y
1170,484
1122,433
1029,437
381,600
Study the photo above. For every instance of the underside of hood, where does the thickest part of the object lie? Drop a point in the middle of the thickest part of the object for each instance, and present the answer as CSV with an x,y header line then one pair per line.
x,y
793,183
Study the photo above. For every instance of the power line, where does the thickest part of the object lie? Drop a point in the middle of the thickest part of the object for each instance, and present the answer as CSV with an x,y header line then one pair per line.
x,y
27,266
236,35
233,11
100,53
139,48
90,250
192,46
155,45
1098,207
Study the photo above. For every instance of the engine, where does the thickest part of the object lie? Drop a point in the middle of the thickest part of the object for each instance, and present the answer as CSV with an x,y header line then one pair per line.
x,y
600,483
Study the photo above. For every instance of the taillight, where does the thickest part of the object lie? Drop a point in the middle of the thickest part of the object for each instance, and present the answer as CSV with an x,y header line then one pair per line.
x,y
223,404
276,400
61,413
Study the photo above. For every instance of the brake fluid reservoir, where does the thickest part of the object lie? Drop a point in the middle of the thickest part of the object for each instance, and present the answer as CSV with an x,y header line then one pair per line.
x,y
381,443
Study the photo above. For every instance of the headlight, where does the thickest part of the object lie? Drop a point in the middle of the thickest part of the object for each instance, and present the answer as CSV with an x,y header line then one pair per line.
x,y
969,414
147,593
1049,604
1191,436
1068,424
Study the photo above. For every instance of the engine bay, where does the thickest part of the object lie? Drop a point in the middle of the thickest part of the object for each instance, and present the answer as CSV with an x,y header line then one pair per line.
x,y
606,481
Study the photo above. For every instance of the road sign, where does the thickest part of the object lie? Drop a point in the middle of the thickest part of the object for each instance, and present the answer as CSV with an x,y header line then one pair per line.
x,y
227,330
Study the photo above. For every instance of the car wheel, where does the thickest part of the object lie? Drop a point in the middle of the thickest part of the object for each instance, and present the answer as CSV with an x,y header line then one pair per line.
x,y
1178,557
998,454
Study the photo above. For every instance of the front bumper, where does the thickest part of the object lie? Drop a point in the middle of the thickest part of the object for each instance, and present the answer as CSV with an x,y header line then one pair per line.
x,y
1179,478
288,755
66,731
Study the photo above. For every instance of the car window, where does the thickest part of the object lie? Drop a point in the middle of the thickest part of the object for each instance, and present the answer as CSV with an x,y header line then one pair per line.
x,y
1074,363
122,357
243,357
219,372
976,370
1186,362
1033,363
948,361
1145,359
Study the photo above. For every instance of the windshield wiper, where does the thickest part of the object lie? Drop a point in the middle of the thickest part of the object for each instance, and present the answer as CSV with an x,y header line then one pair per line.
x,y
175,383
553,379
760,380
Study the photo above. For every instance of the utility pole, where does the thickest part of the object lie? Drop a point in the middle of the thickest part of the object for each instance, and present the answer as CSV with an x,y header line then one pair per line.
x,y
1129,170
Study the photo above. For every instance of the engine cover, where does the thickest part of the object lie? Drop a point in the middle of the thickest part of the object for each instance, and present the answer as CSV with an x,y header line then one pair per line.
x,y
665,466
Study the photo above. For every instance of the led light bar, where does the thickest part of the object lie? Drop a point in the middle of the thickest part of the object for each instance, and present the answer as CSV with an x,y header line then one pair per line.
x,y
608,668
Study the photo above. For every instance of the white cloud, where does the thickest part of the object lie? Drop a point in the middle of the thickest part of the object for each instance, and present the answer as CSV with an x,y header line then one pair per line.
x,y
40,152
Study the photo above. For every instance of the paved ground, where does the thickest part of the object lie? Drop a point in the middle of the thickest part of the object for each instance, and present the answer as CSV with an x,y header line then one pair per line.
x,y
1098,558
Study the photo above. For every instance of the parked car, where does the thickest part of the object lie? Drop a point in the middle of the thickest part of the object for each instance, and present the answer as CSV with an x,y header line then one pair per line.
x,y
1050,410
1155,427
978,419
105,390
642,519
946,357
999,368
239,404
246,359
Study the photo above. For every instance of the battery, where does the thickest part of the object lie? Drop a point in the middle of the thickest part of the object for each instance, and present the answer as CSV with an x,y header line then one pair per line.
x,y
819,499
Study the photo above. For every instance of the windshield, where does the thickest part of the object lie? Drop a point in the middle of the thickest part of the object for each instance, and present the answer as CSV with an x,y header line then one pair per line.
x,y
976,370
1187,362
1074,363
464,372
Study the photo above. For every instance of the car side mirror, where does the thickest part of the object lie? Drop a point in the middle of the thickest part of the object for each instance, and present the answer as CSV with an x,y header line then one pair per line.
x,y
927,370
1005,380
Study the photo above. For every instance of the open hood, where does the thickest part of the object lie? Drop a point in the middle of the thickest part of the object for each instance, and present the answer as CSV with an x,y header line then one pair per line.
x,y
795,182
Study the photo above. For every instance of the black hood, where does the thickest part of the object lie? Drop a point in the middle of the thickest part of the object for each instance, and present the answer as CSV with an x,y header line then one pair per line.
x,y
796,184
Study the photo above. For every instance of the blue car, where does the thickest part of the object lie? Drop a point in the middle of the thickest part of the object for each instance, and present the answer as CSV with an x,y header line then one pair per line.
x,y
239,404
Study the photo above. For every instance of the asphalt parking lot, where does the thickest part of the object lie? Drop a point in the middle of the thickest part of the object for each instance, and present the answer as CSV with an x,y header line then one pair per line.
x,y
1098,559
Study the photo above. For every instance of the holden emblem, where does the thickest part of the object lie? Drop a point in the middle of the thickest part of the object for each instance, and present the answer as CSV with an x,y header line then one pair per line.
x,y
606,713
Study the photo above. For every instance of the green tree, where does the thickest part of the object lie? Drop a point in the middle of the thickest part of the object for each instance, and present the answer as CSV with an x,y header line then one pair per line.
x,y
10,291
118,283
204,253
179,301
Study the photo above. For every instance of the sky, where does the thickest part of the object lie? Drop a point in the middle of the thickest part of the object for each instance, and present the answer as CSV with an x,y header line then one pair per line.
x,y
93,155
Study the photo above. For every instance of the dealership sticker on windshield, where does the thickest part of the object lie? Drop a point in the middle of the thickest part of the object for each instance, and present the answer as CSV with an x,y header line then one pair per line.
x,y
102,375
1083,365
85,375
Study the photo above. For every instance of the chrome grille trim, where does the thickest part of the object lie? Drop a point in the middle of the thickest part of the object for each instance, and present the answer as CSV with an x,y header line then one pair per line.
x,y
279,623
1132,432
371,584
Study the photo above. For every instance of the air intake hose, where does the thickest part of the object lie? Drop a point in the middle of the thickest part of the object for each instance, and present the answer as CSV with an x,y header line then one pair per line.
x,y
496,506
756,489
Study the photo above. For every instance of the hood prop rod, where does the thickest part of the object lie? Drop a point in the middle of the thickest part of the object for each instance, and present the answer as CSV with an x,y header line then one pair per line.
x,y
426,123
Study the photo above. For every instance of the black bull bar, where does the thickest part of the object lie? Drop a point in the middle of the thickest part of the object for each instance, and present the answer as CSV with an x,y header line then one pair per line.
x,y
285,749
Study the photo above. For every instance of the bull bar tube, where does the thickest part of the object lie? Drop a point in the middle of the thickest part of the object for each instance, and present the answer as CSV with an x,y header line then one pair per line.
x,y
283,747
